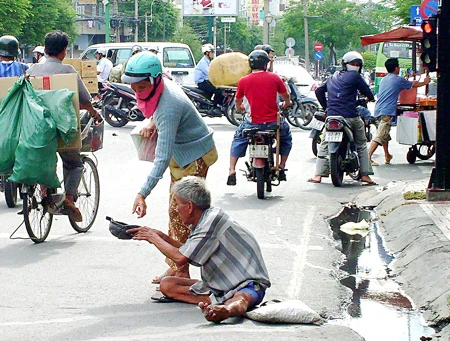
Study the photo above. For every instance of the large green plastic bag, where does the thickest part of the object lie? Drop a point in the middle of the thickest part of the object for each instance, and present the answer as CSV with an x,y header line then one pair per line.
x,y
35,158
10,123
60,105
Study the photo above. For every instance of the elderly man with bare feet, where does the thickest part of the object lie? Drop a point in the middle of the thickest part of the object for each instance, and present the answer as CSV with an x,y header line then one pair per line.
x,y
234,277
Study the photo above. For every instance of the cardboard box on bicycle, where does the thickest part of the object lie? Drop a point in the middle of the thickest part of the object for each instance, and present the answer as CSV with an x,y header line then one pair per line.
x,y
54,82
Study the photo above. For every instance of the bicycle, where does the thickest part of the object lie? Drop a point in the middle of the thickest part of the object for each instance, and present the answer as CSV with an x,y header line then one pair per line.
x,y
40,204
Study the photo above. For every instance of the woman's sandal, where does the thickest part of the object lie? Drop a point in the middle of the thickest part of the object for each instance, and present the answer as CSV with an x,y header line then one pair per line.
x,y
158,279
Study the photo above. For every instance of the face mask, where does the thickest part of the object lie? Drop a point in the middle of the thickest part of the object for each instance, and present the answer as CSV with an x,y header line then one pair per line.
x,y
149,105
142,95
352,68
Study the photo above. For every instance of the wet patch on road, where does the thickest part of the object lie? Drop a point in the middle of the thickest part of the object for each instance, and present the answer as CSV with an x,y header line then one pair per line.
x,y
379,310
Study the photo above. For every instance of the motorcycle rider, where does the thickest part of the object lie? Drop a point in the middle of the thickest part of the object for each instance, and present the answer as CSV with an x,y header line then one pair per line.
x,y
270,51
104,66
39,53
342,88
202,79
9,50
261,88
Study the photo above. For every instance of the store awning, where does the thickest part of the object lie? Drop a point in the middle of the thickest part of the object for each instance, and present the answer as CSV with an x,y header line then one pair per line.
x,y
403,33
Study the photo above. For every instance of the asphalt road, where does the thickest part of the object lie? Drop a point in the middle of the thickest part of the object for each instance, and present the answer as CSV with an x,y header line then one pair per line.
x,y
93,286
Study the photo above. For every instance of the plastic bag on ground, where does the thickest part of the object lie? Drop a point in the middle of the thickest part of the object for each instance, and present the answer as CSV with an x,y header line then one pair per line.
x,y
35,156
10,123
292,311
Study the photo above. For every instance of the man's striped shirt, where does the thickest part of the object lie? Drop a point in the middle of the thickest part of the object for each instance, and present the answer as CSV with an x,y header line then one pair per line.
x,y
228,254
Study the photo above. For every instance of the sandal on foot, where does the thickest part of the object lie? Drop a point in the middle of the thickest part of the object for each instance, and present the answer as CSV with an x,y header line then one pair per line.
x,y
158,279
373,163
161,298
314,181
231,180
388,160
369,183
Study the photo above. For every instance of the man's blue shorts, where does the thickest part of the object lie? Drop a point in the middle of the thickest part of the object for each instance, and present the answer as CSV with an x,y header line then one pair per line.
x,y
256,290
240,143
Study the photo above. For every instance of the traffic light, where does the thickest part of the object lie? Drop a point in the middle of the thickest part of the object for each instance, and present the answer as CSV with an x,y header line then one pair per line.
x,y
429,43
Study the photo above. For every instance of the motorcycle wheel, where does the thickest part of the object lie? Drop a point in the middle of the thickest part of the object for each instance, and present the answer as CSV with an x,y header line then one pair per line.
x,y
11,194
336,169
233,116
302,122
315,145
110,118
259,172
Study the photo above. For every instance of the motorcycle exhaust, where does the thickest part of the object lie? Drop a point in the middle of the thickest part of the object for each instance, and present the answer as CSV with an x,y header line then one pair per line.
x,y
116,112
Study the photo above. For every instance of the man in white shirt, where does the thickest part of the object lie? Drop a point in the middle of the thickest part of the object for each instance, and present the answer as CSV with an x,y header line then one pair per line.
x,y
104,66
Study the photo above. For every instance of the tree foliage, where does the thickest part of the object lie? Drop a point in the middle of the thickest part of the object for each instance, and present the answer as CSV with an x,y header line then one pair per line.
x,y
338,24
48,15
30,20
13,17
162,18
402,10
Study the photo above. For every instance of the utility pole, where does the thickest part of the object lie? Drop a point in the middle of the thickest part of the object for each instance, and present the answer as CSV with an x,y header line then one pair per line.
x,y
107,19
116,13
265,25
136,17
305,20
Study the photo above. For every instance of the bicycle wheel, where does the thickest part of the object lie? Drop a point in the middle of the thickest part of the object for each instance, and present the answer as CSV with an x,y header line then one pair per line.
x,y
88,196
38,220
11,194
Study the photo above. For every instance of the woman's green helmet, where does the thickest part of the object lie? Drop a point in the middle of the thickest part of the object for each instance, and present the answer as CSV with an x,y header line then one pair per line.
x,y
142,66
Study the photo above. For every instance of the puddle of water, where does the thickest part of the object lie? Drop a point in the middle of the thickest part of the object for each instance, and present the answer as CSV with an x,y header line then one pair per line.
x,y
379,310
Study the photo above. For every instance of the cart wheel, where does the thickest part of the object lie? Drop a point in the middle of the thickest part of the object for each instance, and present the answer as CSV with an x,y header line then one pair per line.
x,y
411,155
425,151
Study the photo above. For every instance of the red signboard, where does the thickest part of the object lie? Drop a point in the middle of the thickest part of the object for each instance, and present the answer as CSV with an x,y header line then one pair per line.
x,y
318,47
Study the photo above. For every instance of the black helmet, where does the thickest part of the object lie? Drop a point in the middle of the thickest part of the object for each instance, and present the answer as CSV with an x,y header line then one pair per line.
x,y
258,59
267,48
135,49
9,46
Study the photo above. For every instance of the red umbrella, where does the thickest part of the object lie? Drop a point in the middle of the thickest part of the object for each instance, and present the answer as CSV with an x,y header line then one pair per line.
x,y
403,33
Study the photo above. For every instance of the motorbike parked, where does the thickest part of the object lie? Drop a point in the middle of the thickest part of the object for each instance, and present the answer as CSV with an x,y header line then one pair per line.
x,y
205,106
119,105
262,166
303,108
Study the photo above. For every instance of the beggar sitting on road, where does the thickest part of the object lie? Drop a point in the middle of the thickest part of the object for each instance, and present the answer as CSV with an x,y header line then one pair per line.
x,y
234,277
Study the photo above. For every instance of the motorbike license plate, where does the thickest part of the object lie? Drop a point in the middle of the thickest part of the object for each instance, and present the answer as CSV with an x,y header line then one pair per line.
x,y
316,124
333,136
259,150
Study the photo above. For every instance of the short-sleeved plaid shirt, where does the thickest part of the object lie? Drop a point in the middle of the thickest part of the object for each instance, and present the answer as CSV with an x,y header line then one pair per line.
x,y
228,254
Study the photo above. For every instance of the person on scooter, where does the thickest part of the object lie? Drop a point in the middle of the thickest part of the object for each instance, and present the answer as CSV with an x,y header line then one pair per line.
x,y
261,88
9,50
185,143
202,79
104,67
39,54
342,88
270,51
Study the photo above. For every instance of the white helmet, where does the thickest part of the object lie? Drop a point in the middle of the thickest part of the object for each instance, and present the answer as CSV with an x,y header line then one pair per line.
x,y
101,51
39,49
207,48
352,56
153,48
